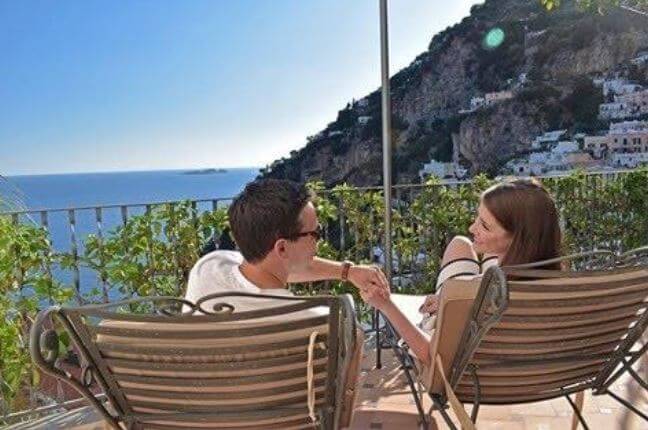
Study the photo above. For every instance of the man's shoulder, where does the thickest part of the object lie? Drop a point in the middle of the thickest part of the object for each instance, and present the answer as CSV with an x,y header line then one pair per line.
x,y
217,261
213,273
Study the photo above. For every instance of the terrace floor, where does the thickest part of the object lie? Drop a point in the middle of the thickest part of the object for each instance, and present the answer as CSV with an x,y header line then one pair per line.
x,y
385,403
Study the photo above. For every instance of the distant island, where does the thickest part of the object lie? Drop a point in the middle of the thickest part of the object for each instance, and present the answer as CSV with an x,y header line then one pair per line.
x,y
210,171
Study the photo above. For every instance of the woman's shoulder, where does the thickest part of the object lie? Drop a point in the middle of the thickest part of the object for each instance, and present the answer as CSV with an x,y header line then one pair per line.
x,y
465,268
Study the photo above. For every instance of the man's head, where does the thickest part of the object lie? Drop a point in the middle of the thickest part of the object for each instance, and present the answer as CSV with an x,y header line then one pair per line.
x,y
273,216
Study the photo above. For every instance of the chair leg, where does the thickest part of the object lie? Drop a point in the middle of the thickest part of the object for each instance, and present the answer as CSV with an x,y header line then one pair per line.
x,y
376,318
627,404
577,407
637,378
475,408
439,405
406,365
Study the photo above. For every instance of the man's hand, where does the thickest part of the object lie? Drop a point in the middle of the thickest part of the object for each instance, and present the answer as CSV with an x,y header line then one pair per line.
x,y
370,280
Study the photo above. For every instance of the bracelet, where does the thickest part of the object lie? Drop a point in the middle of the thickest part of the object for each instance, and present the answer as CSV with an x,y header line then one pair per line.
x,y
346,265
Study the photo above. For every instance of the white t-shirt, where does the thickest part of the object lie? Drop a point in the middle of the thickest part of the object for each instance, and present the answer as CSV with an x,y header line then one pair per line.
x,y
219,272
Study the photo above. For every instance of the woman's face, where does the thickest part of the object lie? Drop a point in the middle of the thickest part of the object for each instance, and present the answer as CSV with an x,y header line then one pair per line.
x,y
489,237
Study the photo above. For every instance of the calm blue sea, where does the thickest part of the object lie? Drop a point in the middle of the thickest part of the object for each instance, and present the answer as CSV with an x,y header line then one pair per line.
x,y
93,189
100,189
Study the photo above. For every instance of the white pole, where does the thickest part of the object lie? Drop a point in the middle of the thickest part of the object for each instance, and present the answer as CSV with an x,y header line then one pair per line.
x,y
387,152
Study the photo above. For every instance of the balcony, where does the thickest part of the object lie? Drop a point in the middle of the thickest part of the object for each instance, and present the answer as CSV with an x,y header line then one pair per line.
x,y
100,254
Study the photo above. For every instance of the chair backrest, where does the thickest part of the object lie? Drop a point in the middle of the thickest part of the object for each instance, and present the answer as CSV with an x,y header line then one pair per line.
x,y
535,339
217,368
455,302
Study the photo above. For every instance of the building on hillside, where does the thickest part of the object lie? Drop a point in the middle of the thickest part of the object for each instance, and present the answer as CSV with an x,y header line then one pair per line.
x,y
488,100
598,145
628,126
630,142
564,147
364,102
442,170
630,160
614,110
640,58
492,98
619,87
548,138
627,105
637,102
476,102
363,120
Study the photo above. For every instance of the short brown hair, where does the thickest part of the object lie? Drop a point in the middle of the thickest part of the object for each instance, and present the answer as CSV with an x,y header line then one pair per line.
x,y
266,210
526,210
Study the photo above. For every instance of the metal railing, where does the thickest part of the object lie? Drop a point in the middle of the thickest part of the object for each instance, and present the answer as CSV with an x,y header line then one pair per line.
x,y
69,227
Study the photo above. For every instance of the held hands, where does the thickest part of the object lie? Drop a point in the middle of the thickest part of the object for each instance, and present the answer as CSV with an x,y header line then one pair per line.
x,y
371,283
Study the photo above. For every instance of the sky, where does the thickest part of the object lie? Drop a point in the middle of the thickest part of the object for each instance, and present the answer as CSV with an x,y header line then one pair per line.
x,y
91,86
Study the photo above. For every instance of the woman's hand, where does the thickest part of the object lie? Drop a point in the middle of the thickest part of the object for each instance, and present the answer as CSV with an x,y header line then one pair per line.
x,y
369,280
376,297
431,304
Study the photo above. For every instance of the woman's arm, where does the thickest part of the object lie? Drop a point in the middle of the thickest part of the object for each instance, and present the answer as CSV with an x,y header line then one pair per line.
x,y
418,341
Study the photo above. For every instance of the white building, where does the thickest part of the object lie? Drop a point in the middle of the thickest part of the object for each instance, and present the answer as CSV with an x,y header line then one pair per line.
x,y
628,126
619,87
636,102
334,133
476,102
630,161
641,58
633,141
564,147
614,110
364,102
442,170
547,138
492,98
598,146
362,120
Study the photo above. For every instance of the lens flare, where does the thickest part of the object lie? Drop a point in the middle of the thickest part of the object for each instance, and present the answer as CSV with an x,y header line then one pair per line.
x,y
494,38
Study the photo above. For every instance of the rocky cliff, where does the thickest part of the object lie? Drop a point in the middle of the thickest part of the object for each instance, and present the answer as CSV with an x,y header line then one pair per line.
x,y
546,60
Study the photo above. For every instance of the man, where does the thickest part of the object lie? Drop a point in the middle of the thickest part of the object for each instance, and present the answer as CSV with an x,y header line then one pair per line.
x,y
274,224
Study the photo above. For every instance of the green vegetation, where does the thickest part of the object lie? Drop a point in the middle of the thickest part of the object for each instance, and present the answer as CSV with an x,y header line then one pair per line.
x,y
153,253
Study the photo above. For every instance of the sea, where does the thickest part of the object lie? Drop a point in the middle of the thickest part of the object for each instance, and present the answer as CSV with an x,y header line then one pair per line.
x,y
57,193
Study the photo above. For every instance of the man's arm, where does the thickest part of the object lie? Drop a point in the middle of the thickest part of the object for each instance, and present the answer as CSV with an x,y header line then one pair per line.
x,y
320,269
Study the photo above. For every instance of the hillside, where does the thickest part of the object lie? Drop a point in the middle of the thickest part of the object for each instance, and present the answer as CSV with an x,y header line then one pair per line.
x,y
546,60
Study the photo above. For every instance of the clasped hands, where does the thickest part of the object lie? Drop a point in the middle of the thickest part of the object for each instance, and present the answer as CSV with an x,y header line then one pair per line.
x,y
371,282
374,288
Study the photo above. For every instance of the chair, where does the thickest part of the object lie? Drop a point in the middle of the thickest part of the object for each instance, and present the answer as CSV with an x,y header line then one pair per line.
x,y
166,363
529,335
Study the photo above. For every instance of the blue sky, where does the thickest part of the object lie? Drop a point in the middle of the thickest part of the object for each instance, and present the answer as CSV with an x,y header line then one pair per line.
x,y
159,84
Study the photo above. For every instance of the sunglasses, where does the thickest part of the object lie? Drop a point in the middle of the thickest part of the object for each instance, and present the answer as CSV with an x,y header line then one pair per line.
x,y
315,234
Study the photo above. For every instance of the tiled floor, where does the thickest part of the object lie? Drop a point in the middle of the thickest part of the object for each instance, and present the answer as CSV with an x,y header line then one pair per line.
x,y
385,403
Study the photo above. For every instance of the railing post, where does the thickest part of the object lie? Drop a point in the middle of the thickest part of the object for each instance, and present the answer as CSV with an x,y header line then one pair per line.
x,y
75,255
102,257
149,250
48,264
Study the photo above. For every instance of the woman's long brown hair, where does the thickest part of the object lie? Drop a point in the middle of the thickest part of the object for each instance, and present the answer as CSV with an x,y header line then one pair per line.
x,y
526,210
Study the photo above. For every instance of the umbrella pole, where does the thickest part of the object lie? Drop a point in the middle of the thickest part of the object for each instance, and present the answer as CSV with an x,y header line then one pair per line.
x,y
387,167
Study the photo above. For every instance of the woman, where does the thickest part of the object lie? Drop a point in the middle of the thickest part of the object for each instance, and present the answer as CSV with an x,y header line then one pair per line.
x,y
516,223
